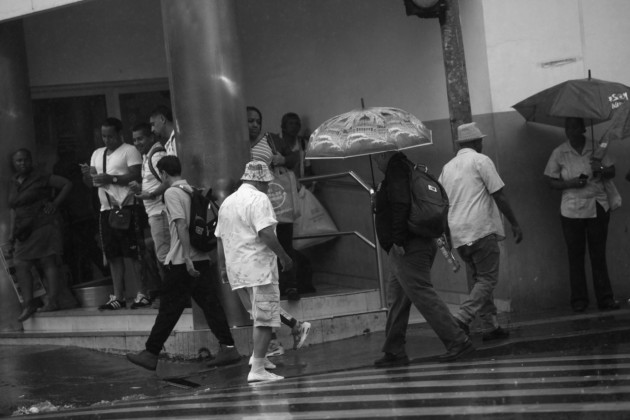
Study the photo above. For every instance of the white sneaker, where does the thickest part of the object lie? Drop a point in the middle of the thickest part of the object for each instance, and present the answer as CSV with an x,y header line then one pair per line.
x,y
275,348
263,376
300,335
268,364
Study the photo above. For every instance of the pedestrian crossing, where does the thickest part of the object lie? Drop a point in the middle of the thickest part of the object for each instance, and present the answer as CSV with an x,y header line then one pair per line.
x,y
568,387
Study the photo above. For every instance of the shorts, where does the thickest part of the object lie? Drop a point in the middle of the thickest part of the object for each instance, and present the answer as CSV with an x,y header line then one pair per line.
x,y
265,308
121,243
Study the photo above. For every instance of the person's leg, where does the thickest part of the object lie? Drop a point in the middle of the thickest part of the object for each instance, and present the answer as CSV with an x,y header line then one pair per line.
x,y
177,291
597,236
413,271
161,241
205,291
288,282
51,272
25,281
482,264
117,268
266,314
398,307
574,231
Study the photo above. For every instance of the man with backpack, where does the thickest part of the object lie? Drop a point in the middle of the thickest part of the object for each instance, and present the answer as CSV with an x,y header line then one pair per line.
x,y
189,273
410,259
152,151
475,192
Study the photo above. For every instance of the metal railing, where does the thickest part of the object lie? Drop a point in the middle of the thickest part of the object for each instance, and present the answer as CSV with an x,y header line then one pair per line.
x,y
373,245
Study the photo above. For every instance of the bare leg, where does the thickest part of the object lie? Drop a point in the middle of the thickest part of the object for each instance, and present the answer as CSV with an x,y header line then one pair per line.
x,y
133,275
51,271
25,279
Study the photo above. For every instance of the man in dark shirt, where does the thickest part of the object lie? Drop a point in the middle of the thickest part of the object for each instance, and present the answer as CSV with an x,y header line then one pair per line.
x,y
410,261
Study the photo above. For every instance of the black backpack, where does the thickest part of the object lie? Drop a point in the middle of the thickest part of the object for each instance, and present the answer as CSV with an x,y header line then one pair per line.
x,y
204,214
428,216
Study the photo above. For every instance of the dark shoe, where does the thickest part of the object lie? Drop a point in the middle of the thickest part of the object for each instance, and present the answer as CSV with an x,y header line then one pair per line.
x,y
463,326
293,295
456,352
227,355
609,306
28,311
496,334
579,306
112,304
141,302
143,359
391,360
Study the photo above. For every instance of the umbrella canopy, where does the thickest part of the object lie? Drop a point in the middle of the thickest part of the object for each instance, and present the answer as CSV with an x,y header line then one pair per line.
x,y
367,131
592,99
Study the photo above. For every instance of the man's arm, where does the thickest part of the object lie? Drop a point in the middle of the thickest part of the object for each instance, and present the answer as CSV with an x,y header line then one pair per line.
x,y
221,261
184,238
563,184
269,238
134,174
505,208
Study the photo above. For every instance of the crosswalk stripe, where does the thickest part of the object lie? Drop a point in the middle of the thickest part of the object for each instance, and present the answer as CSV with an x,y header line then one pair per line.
x,y
479,388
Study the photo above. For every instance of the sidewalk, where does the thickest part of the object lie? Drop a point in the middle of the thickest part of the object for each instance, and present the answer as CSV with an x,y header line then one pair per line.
x,y
78,377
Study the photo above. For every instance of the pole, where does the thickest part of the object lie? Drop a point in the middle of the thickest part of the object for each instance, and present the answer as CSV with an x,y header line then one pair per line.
x,y
455,67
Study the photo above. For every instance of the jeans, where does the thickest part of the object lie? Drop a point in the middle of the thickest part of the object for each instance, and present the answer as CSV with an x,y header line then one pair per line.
x,y
577,232
179,287
409,282
160,234
482,273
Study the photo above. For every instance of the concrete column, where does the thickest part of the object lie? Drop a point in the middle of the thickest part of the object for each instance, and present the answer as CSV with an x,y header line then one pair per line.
x,y
16,122
203,56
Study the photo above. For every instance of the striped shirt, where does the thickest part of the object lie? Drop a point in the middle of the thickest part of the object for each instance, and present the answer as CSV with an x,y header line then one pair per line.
x,y
262,151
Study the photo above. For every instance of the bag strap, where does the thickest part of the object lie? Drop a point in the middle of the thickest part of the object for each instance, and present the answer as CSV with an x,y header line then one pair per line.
x,y
150,157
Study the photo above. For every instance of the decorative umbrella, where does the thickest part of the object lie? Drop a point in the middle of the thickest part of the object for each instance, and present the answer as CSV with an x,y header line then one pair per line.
x,y
367,131
592,99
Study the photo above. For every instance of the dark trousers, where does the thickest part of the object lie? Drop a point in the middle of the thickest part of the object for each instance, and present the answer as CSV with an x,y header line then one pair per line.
x,y
409,283
287,280
178,288
577,233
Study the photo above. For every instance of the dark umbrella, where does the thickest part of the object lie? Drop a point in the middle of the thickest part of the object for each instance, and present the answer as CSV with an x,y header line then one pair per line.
x,y
592,99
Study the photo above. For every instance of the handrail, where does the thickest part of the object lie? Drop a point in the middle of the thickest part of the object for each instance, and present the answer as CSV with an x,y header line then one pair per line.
x,y
371,192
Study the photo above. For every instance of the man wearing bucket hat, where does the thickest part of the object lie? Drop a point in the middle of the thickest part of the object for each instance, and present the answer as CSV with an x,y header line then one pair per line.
x,y
248,251
475,192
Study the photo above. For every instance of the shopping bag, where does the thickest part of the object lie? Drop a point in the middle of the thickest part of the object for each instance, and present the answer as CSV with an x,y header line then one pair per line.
x,y
313,219
282,193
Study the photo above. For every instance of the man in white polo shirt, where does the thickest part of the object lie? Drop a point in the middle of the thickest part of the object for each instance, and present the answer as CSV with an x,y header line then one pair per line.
x,y
475,192
248,247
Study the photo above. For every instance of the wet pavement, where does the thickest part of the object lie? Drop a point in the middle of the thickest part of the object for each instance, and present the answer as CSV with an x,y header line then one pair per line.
x,y
67,377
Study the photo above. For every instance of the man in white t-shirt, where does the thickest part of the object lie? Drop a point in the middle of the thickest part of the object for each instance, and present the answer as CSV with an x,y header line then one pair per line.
x,y
152,151
111,169
162,126
475,192
190,273
249,250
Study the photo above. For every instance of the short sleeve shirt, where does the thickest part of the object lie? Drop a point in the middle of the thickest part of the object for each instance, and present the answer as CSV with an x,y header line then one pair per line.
x,y
249,262
117,163
566,163
177,203
470,179
150,182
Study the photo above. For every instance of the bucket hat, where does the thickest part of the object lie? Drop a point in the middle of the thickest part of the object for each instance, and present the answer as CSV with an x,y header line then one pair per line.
x,y
257,170
468,132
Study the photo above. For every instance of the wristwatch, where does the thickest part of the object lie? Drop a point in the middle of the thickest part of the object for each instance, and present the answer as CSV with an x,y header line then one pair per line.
x,y
114,180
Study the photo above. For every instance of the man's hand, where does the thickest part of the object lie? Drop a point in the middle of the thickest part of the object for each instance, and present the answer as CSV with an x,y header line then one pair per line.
x,y
135,187
286,262
144,195
518,233
101,179
398,250
191,268
577,182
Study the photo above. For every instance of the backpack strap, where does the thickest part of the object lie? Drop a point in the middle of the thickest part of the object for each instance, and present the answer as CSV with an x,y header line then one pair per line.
x,y
150,157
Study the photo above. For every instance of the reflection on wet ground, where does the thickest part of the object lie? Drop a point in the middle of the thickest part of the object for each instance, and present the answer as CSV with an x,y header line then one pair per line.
x,y
566,360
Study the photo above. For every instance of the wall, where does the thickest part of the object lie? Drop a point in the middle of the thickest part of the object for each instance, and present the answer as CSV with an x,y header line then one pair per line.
x,y
320,58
